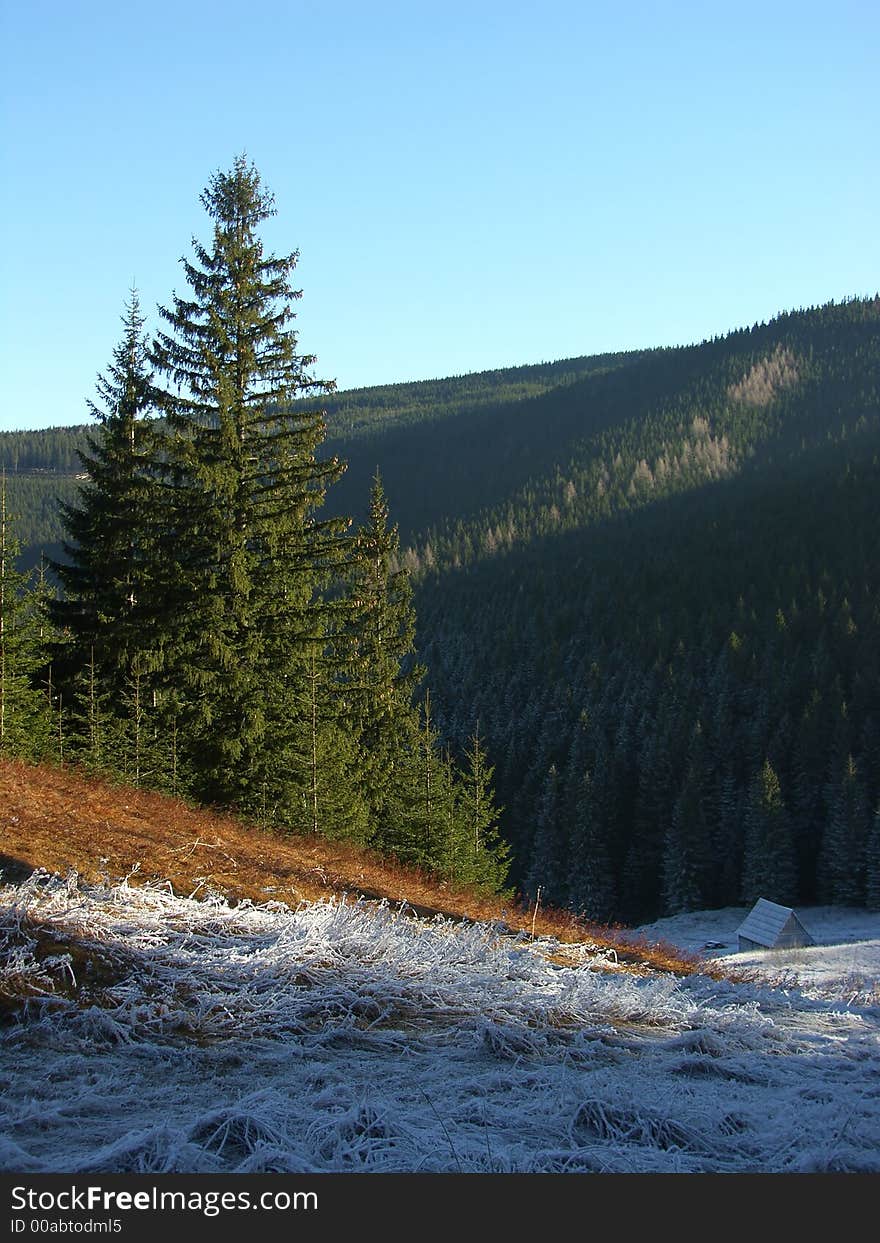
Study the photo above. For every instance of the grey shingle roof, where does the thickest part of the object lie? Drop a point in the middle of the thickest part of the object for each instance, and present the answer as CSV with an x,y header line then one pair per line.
x,y
765,922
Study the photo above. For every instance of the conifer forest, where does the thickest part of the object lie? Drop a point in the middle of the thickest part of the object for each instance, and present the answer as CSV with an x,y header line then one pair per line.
x,y
605,631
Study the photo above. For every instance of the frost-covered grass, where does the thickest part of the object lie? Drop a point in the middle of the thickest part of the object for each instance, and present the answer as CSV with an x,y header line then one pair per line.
x,y
146,1032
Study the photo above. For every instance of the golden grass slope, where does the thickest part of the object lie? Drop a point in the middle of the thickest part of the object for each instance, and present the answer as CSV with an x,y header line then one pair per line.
x,y
62,819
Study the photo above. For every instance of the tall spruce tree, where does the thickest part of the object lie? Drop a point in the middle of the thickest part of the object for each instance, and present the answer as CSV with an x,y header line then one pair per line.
x,y
592,887
108,565
872,864
548,871
383,671
245,559
325,763
687,858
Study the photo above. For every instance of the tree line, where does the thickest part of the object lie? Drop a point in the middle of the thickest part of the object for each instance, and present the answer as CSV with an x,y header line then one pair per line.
x,y
215,635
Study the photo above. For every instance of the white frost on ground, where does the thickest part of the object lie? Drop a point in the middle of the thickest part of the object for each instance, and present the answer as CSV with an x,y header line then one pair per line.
x,y
348,1036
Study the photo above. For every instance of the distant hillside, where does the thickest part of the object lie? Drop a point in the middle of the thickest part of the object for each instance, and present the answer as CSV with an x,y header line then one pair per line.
x,y
389,420
362,411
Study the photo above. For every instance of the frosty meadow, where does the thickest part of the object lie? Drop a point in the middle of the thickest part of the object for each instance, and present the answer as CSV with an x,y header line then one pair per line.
x,y
344,1035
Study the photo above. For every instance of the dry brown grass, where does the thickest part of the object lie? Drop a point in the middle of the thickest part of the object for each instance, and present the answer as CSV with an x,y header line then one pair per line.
x,y
60,818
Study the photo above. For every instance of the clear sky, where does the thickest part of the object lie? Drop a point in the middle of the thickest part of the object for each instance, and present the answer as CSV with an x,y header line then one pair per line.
x,y
470,185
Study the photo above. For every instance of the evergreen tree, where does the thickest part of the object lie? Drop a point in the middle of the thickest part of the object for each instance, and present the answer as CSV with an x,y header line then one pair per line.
x,y
420,807
479,855
419,802
641,872
246,559
325,788
592,888
729,841
107,573
381,635
95,719
548,870
872,860
769,869
842,857
688,854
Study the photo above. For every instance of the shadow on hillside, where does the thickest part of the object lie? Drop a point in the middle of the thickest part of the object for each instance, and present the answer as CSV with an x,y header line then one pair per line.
x,y
13,871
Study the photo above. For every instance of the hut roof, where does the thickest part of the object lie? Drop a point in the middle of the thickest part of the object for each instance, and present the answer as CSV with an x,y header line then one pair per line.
x,y
765,922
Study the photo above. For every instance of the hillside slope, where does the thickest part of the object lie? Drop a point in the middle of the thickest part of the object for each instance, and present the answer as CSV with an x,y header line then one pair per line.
x,y
66,822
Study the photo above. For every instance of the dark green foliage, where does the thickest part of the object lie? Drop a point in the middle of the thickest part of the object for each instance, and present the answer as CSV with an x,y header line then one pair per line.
x,y
244,559
872,861
476,852
418,812
108,570
688,852
323,787
379,642
740,588
549,871
592,885
36,501
217,639
94,714
53,451
768,859
26,717
844,845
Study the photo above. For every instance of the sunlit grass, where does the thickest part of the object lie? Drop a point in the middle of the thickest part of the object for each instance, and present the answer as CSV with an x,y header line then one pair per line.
x,y
63,819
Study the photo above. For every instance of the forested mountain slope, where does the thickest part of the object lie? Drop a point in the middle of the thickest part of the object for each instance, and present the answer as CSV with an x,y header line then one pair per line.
x,y
391,424
652,580
394,425
671,639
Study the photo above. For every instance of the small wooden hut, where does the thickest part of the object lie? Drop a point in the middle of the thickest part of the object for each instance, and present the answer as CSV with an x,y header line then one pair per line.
x,y
770,926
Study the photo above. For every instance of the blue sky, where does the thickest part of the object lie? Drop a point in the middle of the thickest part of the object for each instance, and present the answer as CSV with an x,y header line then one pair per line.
x,y
469,185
